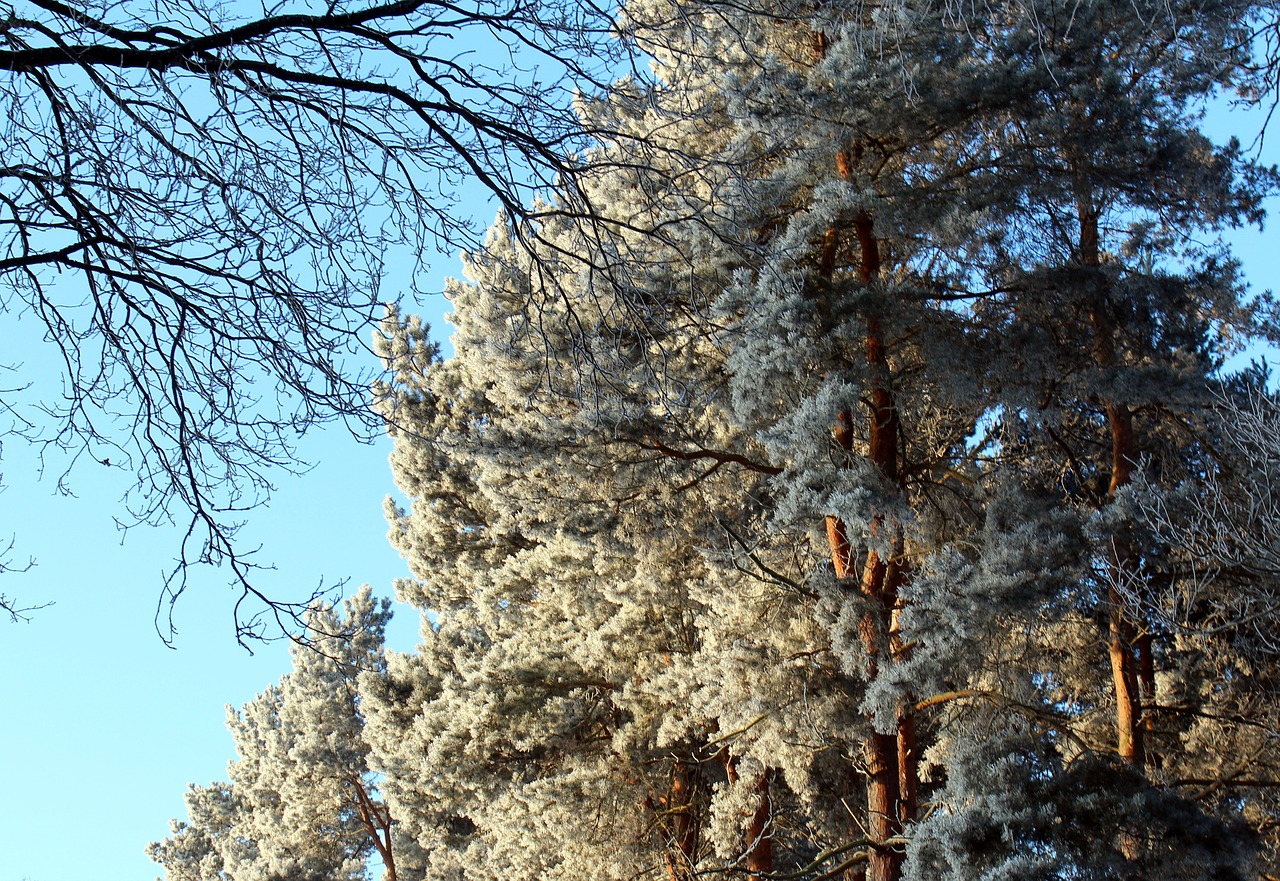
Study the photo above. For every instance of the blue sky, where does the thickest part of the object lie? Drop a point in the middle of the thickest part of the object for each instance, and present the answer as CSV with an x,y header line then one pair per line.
x,y
103,726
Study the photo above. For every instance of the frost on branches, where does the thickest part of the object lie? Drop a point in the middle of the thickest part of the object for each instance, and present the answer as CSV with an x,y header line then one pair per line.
x,y
795,521
301,801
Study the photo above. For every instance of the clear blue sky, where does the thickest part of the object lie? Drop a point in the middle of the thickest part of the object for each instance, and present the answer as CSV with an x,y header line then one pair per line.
x,y
102,726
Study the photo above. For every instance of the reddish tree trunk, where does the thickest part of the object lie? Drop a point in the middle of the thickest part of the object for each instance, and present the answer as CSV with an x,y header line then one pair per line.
x,y
757,854
1124,678
1122,643
681,853
890,759
377,822
908,766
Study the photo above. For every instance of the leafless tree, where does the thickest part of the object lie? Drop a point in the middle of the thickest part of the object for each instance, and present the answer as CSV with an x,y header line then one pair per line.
x,y
1223,529
196,202
11,606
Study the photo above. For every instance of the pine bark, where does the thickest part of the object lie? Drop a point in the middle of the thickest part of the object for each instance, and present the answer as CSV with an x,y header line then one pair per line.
x,y
377,822
890,759
757,856
681,852
1123,641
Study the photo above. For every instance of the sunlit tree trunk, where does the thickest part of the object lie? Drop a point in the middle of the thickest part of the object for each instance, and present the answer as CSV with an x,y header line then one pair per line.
x,y
757,855
890,759
1123,640
376,819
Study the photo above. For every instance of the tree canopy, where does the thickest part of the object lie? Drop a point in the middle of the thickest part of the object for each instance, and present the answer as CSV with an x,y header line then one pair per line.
x,y
300,801
823,513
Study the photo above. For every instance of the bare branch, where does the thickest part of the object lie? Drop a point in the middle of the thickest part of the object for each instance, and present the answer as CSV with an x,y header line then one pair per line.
x,y
198,209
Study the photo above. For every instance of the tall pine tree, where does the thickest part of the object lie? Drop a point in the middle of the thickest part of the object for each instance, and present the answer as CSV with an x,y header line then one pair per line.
x,y
787,521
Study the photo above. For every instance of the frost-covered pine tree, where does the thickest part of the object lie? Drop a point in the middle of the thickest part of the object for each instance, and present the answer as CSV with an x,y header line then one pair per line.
x,y
301,801
1103,281
1114,321
772,525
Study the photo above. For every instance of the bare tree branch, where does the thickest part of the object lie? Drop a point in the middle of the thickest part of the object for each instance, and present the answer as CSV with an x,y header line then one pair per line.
x,y
11,606
197,210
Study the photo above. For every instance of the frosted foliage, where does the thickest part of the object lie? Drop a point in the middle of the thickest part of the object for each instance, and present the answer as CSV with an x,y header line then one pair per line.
x,y
577,824
301,801
491,766
853,325
571,643
732,808
1223,523
1011,810
193,851
961,605
429,829
821,479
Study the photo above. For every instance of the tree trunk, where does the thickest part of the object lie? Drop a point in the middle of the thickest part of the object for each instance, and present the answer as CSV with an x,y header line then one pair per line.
x,y
376,819
757,856
890,759
1147,697
1122,645
681,846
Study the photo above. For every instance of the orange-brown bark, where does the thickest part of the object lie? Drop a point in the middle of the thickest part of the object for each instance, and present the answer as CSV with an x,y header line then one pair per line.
x,y
837,538
1124,678
757,854
838,541
682,827
891,763
908,766
890,759
883,820
1122,636
377,822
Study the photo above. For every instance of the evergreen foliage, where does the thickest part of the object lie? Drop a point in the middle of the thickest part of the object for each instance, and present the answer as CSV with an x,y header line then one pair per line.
x,y
823,512
301,801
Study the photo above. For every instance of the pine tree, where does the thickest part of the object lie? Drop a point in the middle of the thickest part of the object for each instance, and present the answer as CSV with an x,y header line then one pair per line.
x,y
1212,593
785,521
301,801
